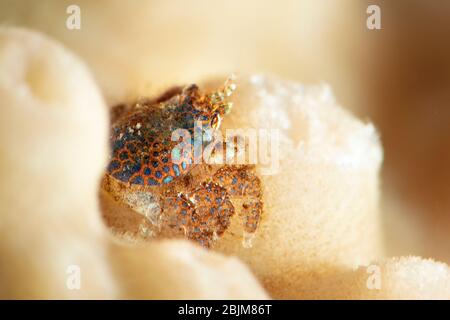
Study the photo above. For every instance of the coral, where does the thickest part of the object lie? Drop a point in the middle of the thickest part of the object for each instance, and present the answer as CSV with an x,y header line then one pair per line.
x,y
319,234
54,150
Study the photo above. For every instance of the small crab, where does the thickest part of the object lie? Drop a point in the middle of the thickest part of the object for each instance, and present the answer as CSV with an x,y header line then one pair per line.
x,y
150,175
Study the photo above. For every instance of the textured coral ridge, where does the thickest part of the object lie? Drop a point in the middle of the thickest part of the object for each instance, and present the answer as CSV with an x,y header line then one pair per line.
x,y
49,94
321,212
149,170
52,120
406,277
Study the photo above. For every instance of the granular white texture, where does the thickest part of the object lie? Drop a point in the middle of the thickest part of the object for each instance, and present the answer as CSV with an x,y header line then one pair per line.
x,y
321,205
397,278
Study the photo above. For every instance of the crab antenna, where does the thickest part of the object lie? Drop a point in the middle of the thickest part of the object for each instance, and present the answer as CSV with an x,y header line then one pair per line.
x,y
219,97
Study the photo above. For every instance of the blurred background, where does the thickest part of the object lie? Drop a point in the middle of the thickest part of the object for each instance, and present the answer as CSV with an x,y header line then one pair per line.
x,y
398,76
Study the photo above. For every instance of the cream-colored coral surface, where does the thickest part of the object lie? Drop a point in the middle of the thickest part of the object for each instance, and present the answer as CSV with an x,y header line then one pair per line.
x,y
54,243
321,234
